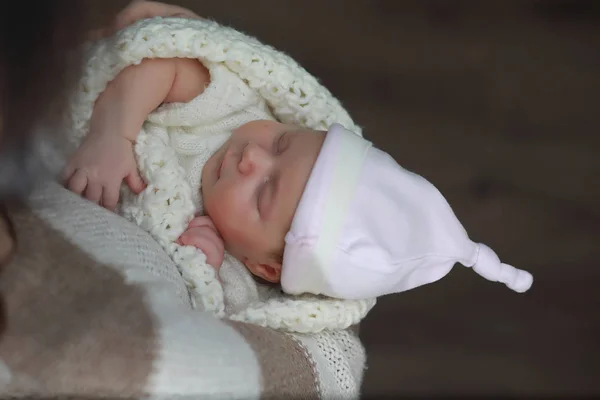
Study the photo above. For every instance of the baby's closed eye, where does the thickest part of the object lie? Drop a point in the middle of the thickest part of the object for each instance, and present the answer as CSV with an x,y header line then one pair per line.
x,y
281,143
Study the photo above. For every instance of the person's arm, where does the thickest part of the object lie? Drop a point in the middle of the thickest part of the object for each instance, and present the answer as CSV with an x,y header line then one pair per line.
x,y
119,324
141,9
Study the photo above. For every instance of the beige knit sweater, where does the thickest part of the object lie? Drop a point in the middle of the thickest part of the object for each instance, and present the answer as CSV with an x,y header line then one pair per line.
x,y
96,309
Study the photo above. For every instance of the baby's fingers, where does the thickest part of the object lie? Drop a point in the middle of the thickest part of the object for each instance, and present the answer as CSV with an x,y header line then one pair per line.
x,y
198,237
214,253
205,240
77,182
110,197
135,182
202,221
215,259
93,192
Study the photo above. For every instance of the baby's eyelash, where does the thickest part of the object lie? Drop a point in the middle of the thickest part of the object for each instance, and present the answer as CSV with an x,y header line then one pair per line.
x,y
260,192
278,144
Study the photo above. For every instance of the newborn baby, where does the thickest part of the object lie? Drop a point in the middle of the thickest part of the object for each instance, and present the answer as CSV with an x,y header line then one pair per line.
x,y
250,186
321,212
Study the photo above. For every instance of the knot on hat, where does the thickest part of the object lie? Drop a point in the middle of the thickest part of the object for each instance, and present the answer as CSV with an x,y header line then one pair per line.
x,y
488,265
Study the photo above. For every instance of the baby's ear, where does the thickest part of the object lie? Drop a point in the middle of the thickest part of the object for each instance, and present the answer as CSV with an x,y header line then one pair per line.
x,y
270,271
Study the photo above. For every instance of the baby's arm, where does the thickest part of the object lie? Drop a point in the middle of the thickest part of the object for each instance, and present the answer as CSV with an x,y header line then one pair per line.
x,y
106,157
140,89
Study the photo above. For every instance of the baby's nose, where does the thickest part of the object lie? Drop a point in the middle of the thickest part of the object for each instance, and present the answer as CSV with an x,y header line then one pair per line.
x,y
254,159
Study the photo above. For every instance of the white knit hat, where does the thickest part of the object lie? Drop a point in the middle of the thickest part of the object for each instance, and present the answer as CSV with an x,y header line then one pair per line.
x,y
366,227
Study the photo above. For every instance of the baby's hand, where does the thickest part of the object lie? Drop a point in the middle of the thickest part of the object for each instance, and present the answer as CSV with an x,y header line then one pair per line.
x,y
99,167
202,234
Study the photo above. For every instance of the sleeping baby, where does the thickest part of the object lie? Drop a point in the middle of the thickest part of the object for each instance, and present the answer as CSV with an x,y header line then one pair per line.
x,y
251,184
319,211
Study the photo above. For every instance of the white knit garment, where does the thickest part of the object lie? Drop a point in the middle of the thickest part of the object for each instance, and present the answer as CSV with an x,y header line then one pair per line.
x,y
196,130
177,139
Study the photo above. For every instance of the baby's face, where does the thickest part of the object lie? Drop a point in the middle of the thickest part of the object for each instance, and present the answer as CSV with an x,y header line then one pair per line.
x,y
251,187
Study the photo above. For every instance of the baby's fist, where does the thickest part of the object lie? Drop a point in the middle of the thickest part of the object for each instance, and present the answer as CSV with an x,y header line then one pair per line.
x,y
202,234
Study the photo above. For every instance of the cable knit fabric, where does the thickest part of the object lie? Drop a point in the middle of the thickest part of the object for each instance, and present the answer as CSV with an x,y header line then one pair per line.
x,y
249,81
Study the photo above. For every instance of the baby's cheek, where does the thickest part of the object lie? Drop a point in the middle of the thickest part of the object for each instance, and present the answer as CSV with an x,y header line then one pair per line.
x,y
224,216
234,231
235,220
235,240
239,236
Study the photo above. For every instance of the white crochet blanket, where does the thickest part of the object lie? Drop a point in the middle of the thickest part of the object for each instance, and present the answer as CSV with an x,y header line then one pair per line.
x,y
167,205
